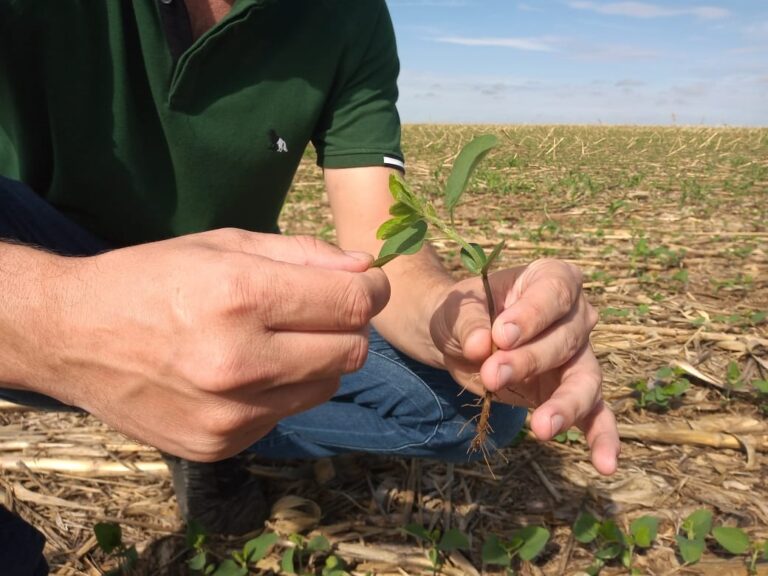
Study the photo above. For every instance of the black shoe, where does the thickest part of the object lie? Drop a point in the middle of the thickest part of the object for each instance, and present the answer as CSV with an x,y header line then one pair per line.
x,y
222,496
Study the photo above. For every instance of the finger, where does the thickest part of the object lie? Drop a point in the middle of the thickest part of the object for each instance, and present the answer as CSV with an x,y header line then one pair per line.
x,y
552,349
461,328
546,292
301,250
603,439
308,356
300,298
573,400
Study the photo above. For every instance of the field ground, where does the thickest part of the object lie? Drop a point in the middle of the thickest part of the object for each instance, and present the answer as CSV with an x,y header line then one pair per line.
x,y
670,226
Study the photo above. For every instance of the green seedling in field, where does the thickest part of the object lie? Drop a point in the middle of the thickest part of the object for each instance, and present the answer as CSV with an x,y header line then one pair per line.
x,y
109,537
294,560
237,565
611,543
406,232
570,435
439,544
691,542
735,541
526,544
761,388
667,386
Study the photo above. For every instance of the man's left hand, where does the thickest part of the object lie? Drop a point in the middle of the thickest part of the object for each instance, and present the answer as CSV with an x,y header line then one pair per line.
x,y
543,358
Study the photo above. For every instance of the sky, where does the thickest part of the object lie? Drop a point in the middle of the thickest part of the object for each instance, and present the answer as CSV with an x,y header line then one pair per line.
x,y
583,62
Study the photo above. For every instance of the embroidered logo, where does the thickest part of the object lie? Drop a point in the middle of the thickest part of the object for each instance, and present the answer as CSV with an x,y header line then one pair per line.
x,y
277,144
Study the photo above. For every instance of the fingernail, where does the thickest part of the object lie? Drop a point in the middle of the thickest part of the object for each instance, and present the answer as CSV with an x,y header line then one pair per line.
x,y
363,256
511,333
504,375
557,424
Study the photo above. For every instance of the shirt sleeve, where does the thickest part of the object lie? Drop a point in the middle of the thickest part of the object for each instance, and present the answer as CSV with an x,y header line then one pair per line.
x,y
360,125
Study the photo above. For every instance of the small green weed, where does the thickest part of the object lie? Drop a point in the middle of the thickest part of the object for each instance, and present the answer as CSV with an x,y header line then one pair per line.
x,y
667,387
109,537
439,544
611,543
525,544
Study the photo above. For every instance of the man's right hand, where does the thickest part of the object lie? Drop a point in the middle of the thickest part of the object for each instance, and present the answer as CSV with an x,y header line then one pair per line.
x,y
200,344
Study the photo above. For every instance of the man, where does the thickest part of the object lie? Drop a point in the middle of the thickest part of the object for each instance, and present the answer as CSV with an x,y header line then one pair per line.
x,y
156,139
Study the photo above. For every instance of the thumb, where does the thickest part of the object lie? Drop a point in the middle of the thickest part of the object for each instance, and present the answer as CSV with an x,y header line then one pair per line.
x,y
461,326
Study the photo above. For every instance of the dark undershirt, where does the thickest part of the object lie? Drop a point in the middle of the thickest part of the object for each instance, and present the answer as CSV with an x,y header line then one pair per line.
x,y
176,25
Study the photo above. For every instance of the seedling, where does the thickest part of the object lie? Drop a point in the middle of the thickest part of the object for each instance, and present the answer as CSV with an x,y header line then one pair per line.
x,y
109,537
439,544
611,543
695,528
406,232
526,544
295,559
237,565
667,386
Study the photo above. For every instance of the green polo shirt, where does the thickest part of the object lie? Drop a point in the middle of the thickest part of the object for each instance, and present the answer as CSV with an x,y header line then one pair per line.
x,y
114,114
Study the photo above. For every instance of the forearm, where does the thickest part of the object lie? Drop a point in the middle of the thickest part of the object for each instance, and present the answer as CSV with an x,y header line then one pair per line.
x,y
29,299
405,322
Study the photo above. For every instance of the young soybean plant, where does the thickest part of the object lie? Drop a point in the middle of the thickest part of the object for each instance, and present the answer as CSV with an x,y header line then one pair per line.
x,y
406,231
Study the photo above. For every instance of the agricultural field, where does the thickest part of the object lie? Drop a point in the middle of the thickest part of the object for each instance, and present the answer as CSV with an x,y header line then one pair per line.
x,y
669,225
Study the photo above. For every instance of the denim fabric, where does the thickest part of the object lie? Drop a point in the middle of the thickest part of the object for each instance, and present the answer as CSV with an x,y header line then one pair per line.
x,y
394,405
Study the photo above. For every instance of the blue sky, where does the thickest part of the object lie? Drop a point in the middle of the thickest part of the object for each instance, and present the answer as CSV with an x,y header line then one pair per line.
x,y
576,61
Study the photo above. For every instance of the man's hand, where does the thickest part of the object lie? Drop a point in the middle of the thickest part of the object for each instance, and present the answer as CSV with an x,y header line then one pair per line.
x,y
200,344
543,360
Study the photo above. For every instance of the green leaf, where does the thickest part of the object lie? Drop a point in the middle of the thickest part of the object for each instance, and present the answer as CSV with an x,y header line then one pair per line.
x,y
644,530
733,540
761,386
473,259
418,531
626,557
610,532
434,557
690,550
536,538
396,225
399,209
319,544
585,528
257,548
765,550
664,373
464,166
733,372
494,553
228,567
109,536
408,241
610,551
286,562
197,562
453,539
196,535
402,193
493,255
595,568
698,524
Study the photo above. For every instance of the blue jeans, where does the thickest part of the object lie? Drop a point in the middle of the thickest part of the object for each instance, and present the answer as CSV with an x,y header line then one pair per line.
x,y
393,405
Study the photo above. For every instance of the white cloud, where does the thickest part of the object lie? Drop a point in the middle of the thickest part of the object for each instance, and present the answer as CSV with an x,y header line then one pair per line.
x,y
645,10
429,97
541,44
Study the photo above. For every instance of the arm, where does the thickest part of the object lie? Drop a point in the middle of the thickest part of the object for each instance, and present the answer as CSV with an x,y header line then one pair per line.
x,y
30,311
544,360
360,201
197,345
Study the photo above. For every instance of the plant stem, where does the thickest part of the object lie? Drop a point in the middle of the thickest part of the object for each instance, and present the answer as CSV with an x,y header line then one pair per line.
x,y
485,410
